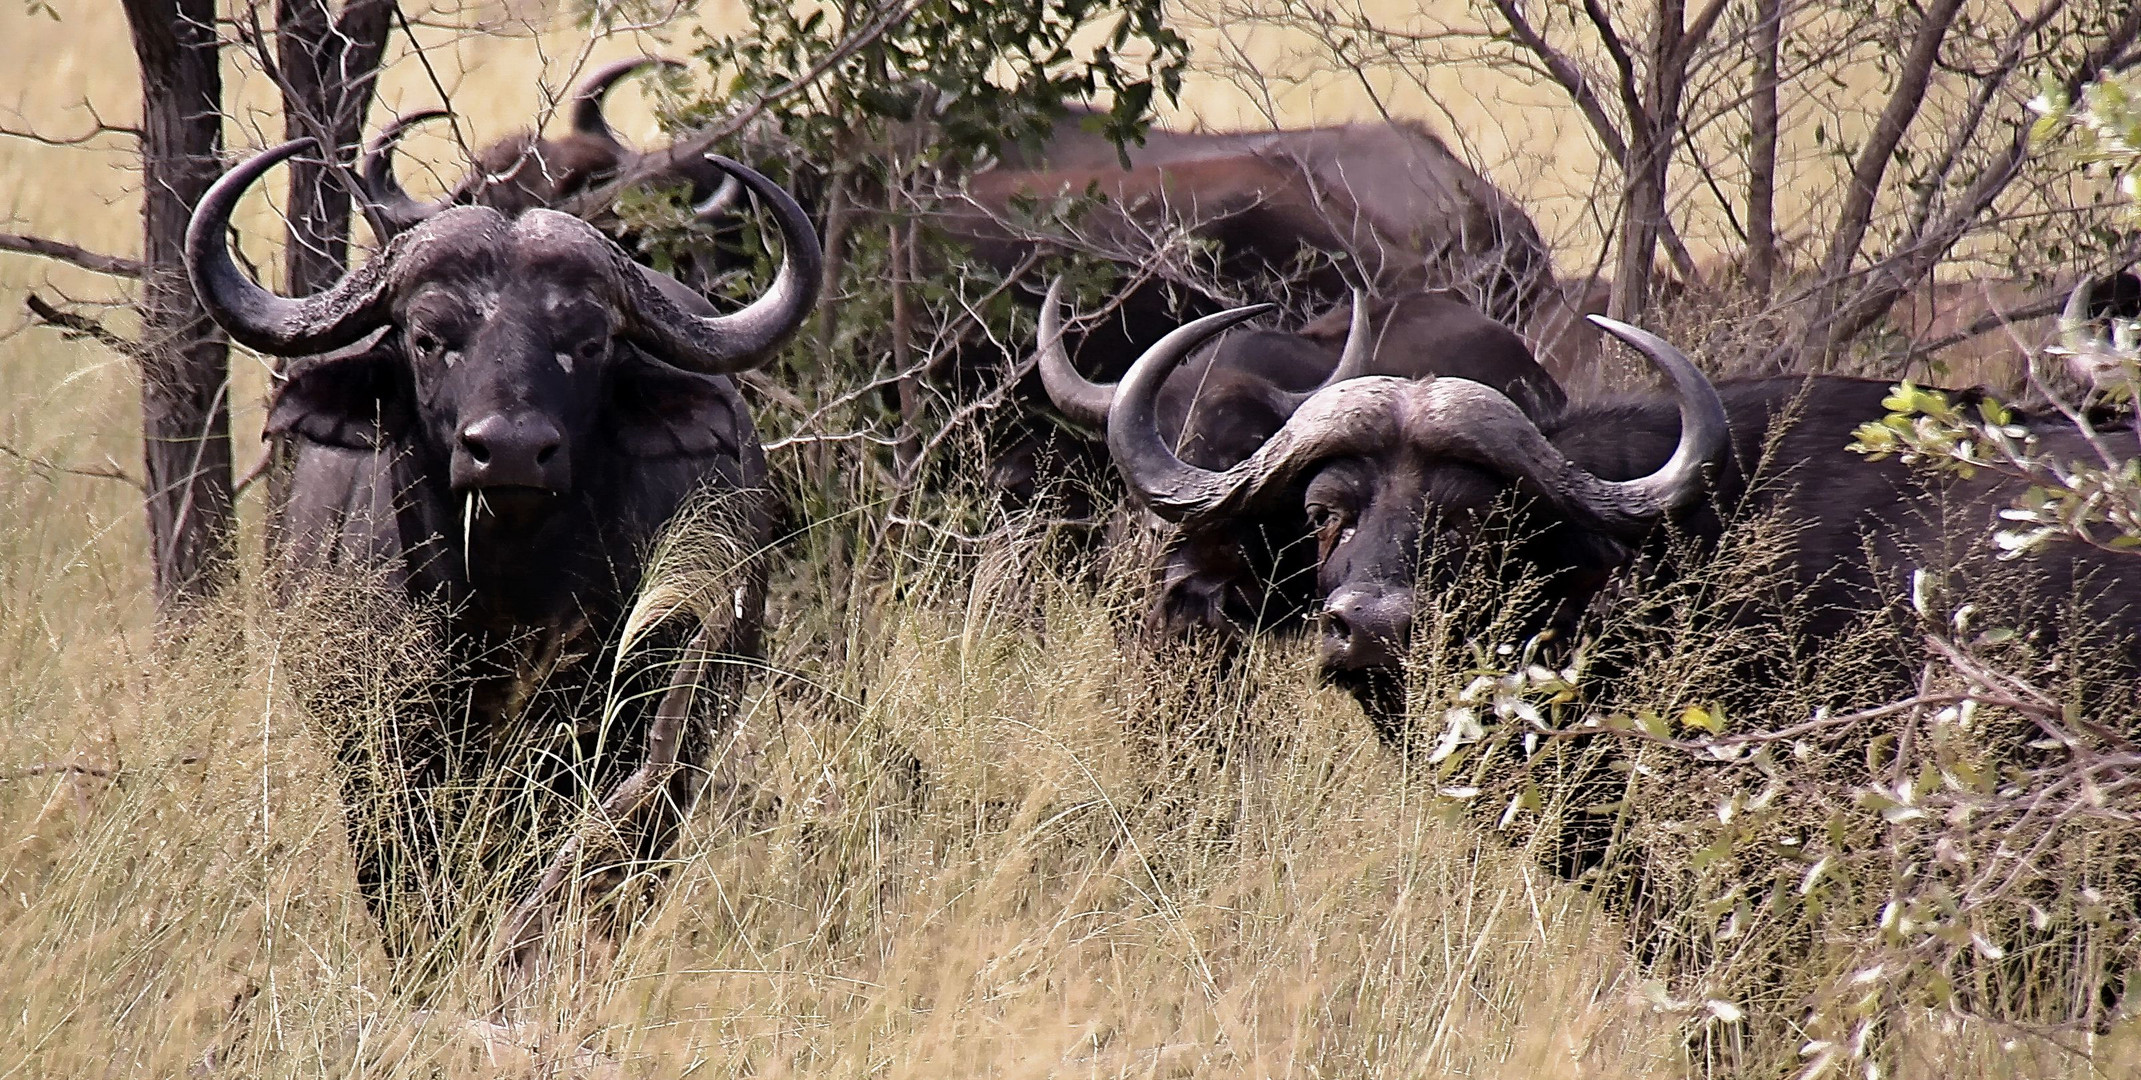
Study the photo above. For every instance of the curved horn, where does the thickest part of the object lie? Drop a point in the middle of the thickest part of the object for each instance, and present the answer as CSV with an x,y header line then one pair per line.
x,y
1084,401
1704,436
2075,321
1459,418
2090,350
1359,350
1147,464
587,118
1353,359
256,317
721,203
392,209
742,340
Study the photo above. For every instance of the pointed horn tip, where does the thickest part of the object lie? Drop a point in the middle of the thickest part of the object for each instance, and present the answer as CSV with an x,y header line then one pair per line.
x,y
259,163
408,120
1052,303
1642,340
600,80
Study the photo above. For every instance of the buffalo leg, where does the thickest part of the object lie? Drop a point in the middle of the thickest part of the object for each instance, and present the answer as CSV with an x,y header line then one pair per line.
x,y
387,785
636,823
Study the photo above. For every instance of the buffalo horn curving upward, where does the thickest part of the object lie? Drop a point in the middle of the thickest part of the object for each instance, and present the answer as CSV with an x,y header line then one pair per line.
x,y
1143,457
391,208
1354,358
1455,417
256,317
743,339
1076,396
1087,402
587,118
1704,437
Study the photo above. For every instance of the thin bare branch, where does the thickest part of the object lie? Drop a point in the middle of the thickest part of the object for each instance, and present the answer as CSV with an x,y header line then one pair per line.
x,y
78,325
1569,77
1873,158
49,467
115,265
1631,98
97,130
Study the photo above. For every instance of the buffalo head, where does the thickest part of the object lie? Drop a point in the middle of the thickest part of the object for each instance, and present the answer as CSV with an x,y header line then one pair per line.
x,y
503,347
1373,472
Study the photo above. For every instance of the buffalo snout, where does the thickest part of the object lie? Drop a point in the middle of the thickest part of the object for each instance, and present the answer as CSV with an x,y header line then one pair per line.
x,y
512,450
1366,628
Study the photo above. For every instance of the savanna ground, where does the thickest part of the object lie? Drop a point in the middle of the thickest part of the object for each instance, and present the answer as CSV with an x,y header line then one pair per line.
x,y
966,855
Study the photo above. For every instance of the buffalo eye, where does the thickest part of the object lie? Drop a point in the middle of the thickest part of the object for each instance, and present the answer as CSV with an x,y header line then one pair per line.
x,y
429,343
588,351
1332,524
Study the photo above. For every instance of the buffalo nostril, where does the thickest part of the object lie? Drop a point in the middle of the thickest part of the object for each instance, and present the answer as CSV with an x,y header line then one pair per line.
x,y
543,456
477,450
1337,626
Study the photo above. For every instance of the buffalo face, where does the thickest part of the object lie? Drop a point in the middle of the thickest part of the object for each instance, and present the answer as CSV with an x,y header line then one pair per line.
x,y
509,350
1393,480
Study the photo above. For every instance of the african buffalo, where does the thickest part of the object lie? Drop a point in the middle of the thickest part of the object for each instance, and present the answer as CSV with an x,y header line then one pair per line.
x,y
1291,215
1374,485
524,171
1234,394
516,411
1388,198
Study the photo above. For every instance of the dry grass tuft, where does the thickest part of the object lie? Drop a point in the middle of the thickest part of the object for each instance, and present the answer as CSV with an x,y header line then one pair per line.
x,y
990,835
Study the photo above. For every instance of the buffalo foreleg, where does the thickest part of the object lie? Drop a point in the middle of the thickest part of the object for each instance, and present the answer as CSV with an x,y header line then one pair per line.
x,y
636,822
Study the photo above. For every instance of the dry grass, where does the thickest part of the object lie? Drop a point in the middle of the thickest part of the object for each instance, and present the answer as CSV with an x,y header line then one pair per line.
x,y
1029,909
977,865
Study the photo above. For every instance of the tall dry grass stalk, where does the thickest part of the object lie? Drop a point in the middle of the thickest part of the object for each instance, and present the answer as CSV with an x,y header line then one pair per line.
x,y
979,831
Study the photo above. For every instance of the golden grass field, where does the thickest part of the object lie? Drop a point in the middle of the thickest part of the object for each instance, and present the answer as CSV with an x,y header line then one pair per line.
x,y
1037,913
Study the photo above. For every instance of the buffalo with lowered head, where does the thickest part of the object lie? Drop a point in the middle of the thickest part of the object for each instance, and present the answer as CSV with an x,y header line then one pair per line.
x,y
1237,390
492,420
1377,488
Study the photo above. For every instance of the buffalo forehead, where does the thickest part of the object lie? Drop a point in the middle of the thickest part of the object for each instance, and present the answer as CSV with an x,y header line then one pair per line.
x,y
549,234
553,274
454,240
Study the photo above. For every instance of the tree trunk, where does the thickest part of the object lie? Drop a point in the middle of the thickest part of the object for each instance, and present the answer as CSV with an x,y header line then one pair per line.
x,y
185,365
326,67
1762,153
1650,155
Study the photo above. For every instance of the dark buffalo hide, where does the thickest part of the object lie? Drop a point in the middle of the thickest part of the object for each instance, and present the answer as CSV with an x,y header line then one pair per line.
x,y
492,421
1378,488
1230,396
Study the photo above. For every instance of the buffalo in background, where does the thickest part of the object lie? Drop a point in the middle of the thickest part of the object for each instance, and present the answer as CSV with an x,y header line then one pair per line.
x,y
492,420
1306,213
1376,490
525,171
1300,216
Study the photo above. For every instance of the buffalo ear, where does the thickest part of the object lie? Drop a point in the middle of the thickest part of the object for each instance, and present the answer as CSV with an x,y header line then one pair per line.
x,y
657,411
1206,584
357,401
